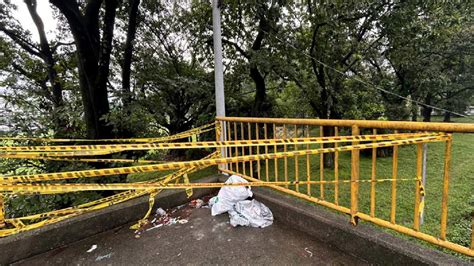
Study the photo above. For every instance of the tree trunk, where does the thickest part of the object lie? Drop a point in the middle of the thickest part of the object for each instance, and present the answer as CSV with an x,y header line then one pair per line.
x,y
447,117
414,113
47,56
128,51
93,54
259,107
426,109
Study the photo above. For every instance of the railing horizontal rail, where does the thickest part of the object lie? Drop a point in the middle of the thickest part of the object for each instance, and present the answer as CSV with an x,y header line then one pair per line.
x,y
404,125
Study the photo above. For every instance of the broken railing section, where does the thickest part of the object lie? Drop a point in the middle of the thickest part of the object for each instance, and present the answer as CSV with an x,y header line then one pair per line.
x,y
250,147
316,186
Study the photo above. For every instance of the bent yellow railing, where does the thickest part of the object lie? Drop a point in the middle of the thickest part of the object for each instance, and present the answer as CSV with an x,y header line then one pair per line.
x,y
288,129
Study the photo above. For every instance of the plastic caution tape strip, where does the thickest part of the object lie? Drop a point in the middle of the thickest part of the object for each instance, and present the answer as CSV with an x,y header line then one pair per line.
x,y
59,215
213,144
85,160
205,162
185,134
57,154
61,188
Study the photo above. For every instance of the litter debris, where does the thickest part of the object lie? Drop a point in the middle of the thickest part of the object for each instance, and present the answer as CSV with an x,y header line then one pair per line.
x,y
93,247
154,227
197,203
107,256
160,212
250,213
228,196
183,221
309,252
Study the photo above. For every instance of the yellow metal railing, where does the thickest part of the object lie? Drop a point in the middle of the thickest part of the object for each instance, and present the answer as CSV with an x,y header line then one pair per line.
x,y
285,136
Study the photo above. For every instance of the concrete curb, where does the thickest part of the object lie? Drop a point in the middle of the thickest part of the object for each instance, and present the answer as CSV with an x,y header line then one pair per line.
x,y
363,241
30,243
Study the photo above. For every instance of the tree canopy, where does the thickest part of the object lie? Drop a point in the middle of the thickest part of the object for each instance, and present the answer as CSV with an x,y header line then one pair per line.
x,y
137,68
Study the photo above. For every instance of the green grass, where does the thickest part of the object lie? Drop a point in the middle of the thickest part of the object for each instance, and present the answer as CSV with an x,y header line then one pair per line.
x,y
461,186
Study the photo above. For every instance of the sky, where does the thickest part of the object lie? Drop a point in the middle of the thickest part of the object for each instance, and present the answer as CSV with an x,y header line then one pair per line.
x,y
45,12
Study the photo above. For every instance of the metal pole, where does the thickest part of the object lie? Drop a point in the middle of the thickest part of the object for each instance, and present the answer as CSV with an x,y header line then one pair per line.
x,y
218,71
423,179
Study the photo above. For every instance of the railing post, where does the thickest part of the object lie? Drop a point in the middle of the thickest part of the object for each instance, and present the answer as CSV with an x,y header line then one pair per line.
x,y
2,211
423,180
267,178
236,137
373,177
336,169
472,231
419,173
393,209
221,136
275,150
295,148
355,154
321,166
229,150
444,202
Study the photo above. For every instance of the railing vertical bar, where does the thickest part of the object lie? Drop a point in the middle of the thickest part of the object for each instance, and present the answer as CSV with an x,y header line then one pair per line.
x,y
419,172
275,150
308,166
336,169
285,149
258,150
2,210
355,155
321,165
394,183
266,152
229,137
472,233
242,133
236,148
250,149
297,172
373,177
444,202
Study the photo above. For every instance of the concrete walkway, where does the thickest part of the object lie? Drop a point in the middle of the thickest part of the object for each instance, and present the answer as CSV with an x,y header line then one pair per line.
x,y
202,240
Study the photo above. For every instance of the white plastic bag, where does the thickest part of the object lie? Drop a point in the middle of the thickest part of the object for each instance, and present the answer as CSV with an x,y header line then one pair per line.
x,y
250,213
228,196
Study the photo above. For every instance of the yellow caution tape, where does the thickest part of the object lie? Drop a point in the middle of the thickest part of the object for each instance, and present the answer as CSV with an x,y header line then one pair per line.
x,y
181,135
62,188
213,144
205,162
59,215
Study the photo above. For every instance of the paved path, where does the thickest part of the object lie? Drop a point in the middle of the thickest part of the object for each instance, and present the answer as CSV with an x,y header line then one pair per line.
x,y
203,240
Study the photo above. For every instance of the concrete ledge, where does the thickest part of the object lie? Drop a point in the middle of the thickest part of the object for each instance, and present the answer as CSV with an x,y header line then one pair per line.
x,y
30,243
368,243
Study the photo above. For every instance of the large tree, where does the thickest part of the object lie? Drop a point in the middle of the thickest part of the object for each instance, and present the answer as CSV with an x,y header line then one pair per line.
x,y
50,85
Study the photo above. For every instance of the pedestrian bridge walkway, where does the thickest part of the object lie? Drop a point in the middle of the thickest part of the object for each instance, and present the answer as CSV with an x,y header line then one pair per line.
x,y
202,240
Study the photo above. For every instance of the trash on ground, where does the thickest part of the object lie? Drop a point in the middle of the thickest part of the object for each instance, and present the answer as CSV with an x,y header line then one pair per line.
x,y
93,247
228,196
160,212
183,221
107,256
250,213
196,203
309,252
154,227
238,202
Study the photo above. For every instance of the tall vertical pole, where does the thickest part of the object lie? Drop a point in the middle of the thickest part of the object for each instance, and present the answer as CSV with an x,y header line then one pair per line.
x,y
218,71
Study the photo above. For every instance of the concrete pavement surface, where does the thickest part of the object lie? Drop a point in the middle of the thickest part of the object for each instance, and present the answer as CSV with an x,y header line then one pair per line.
x,y
198,239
